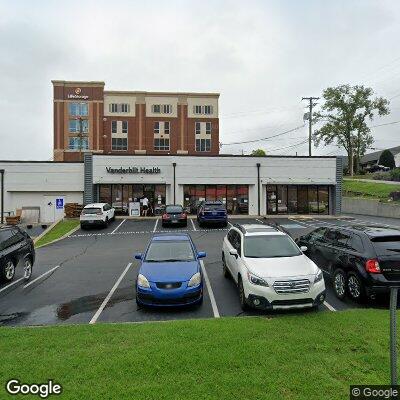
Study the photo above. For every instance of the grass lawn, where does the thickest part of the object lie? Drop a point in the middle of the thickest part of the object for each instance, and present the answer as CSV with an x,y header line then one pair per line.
x,y
307,356
59,230
368,189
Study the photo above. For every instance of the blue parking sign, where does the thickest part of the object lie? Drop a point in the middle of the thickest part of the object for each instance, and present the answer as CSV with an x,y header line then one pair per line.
x,y
59,203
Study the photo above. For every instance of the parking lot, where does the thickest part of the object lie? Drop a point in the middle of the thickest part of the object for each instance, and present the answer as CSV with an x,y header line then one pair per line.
x,y
90,276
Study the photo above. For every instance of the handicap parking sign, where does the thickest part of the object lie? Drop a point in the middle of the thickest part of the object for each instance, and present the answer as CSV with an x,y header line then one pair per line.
x,y
59,203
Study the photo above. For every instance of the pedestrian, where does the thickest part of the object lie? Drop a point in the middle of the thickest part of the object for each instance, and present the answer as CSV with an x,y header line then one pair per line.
x,y
145,203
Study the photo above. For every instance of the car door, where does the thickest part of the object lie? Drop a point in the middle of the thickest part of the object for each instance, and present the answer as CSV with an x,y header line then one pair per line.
x,y
235,244
324,248
18,240
337,255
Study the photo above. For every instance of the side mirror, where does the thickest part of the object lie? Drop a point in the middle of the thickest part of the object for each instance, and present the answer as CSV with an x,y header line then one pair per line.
x,y
138,256
233,252
303,248
201,254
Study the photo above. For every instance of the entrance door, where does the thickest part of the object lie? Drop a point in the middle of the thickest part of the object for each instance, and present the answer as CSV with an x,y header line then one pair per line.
x,y
53,208
272,204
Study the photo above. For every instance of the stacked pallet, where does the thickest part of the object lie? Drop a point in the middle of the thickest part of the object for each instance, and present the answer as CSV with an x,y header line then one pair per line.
x,y
73,210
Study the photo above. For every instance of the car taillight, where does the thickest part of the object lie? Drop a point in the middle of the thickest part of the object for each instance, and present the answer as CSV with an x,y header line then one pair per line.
x,y
165,216
372,266
183,215
99,213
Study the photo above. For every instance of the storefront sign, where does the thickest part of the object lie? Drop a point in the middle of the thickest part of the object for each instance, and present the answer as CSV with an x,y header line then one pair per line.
x,y
134,170
77,95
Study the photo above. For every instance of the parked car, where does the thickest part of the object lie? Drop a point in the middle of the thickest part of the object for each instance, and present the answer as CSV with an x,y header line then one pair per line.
x,y
377,168
97,214
361,260
174,215
270,270
212,212
16,247
170,272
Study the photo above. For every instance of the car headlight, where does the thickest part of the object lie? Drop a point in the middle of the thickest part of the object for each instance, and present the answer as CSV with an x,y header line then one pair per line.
x,y
318,277
195,280
255,280
142,281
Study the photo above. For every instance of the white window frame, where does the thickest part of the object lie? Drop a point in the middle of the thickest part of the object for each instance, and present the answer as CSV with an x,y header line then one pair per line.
x,y
197,128
124,130
119,149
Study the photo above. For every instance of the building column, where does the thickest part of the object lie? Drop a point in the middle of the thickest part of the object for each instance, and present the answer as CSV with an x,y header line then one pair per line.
x,y
338,188
88,195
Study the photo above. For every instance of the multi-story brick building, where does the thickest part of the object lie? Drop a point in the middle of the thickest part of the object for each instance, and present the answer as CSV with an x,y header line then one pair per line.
x,y
89,118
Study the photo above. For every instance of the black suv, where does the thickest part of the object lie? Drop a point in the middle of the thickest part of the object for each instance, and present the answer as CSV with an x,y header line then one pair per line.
x,y
15,246
361,260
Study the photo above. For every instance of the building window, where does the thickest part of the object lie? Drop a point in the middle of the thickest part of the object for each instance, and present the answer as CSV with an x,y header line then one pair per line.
x,y
124,126
114,128
74,125
76,143
119,144
203,144
197,110
156,127
161,144
156,108
198,128
78,109
208,128
119,108
161,108
167,108
208,110
166,128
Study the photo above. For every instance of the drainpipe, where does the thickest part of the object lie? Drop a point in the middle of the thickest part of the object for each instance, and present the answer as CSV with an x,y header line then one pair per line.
x,y
2,196
174,165
258,187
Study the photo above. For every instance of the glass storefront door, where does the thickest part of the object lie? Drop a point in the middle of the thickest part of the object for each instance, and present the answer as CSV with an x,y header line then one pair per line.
x,y
272,207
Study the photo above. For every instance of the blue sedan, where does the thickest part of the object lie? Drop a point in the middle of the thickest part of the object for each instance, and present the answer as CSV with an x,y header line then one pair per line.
x,y
170,272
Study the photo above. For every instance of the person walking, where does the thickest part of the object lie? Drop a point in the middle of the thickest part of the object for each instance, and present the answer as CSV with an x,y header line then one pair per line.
x,y
145,203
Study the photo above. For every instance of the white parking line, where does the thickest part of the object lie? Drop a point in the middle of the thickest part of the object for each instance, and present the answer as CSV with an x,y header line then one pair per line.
x,y
11,284
41,276
329,307
118,227
230,224
210,291
194,226
155,225
107,299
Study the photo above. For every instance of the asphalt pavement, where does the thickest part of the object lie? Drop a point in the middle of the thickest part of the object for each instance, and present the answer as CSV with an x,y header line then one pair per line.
x,y
90,276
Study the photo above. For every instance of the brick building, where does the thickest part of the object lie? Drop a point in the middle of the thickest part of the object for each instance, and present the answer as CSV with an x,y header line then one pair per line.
x,y
89,118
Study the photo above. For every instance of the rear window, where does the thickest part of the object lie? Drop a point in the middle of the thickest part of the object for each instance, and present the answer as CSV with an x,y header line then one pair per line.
x,y
213,207
174,209
86,211
386,245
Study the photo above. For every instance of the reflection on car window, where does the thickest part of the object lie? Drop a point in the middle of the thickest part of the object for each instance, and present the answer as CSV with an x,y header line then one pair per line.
x,y
91,211
170,251
268,246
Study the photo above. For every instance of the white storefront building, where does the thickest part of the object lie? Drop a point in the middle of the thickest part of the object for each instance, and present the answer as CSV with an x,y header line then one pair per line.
x,y
246,185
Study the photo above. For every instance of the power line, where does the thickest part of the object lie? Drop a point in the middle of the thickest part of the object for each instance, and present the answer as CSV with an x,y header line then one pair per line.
x,y
265,138
288,147
388,123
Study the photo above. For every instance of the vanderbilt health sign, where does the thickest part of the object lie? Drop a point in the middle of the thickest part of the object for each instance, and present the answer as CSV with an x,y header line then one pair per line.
x,y
134,170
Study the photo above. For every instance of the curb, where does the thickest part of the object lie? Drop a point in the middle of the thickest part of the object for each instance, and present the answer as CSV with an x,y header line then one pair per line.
x,y
46,231
60,238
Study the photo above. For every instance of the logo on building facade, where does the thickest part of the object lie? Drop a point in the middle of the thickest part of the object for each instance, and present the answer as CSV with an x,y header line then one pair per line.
x,y
134,170
77,95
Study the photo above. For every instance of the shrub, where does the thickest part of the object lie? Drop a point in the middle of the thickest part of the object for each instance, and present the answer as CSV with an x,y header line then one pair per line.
x,y
395,174
382,176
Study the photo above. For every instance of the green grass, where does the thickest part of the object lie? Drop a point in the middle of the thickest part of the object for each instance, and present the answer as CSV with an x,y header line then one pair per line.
x,y
59,230
368,189
307,356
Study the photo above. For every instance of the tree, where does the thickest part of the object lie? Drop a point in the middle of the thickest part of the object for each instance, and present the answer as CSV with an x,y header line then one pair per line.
x,y
258,153
387,159
344,113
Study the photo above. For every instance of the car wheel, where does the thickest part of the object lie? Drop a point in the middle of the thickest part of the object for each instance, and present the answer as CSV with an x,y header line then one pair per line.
x,y
224,267
7,271
106,222
225,224
339,283
242,296
83,226
355,287
27,268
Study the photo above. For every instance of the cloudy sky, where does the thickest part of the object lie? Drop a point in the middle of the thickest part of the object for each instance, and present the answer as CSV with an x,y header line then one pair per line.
x,y
262,56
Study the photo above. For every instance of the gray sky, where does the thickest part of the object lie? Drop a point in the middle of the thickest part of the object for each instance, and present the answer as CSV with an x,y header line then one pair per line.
x,y
262,56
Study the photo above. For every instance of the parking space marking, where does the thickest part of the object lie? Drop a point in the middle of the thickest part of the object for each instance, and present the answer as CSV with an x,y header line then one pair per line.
x,y
210,291
230,224
108,297
118,227
155,225
329,307
194,227
11,284
41,276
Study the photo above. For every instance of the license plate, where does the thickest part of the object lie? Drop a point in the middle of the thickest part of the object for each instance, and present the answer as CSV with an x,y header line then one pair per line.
x,y
174,221
214,213
91,222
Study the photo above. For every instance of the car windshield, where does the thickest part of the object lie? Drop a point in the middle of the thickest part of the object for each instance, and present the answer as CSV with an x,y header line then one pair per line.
x,y
91,210
173,209
169,251
386,245
268,246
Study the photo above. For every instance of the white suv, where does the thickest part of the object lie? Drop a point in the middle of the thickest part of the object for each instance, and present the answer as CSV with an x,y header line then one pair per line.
x,y
270,270
97,214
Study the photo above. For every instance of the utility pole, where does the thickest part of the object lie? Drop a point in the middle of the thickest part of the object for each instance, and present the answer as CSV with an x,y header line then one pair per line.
x,y
311,104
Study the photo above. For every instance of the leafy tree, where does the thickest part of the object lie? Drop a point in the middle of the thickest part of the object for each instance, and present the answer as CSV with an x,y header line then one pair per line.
x,y
258,153
344,114
387,159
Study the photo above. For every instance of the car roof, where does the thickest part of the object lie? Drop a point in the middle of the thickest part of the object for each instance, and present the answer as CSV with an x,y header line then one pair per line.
x,y
258,229
371,231
174,237
94,205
